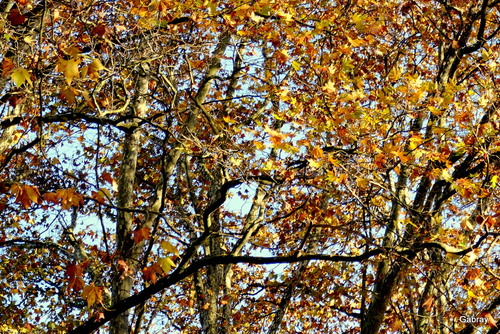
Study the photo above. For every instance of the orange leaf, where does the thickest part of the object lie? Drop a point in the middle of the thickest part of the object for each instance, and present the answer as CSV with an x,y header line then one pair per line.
x,y
380,160
25,194
98,196
141,234
401,155
99,316
93,294
123,268
149,273
429,302
489,317
69,198
67,94
396,325
51,197
317,152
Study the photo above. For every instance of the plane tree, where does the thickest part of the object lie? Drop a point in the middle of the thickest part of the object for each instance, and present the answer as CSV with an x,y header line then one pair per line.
x,y
249,166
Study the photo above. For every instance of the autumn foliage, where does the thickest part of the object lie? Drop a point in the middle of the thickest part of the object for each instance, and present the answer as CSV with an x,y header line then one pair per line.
x,y
249,166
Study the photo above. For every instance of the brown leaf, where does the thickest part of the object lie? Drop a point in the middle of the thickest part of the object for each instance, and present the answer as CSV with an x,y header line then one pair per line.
x,y
141,234
107,177
3,188
7,66
75,274
100,30
16,18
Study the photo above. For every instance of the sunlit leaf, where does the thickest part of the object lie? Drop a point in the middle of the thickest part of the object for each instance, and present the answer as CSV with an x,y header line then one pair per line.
x,y
166,264
93,294
20,76
169,248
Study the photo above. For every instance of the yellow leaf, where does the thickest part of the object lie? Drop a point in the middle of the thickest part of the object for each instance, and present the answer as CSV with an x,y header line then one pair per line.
x,y
104,192
296,65
84,71
259,145
471,294
213,8
20,76
28,39
469,258
314,164
485,54
71,71
168,247
73,51
228,120
359,20
96,66
465,224
128,125
362,183
355,42
446,175
266,10
166,264
415,141
493,181
330,87
278,117
285,16
235,161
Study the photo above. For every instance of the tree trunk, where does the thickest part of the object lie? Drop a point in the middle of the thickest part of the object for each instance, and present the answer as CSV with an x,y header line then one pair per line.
x,y
127,251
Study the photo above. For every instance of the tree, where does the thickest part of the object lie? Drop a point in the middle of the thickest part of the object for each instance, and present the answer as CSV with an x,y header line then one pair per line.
x,y
250,166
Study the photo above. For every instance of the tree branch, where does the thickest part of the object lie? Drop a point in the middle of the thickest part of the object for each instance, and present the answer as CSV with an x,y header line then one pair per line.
x,y
180,274
36,244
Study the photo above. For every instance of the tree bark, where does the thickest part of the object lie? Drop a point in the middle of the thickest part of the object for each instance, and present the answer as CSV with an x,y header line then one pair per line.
x,y
127,251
